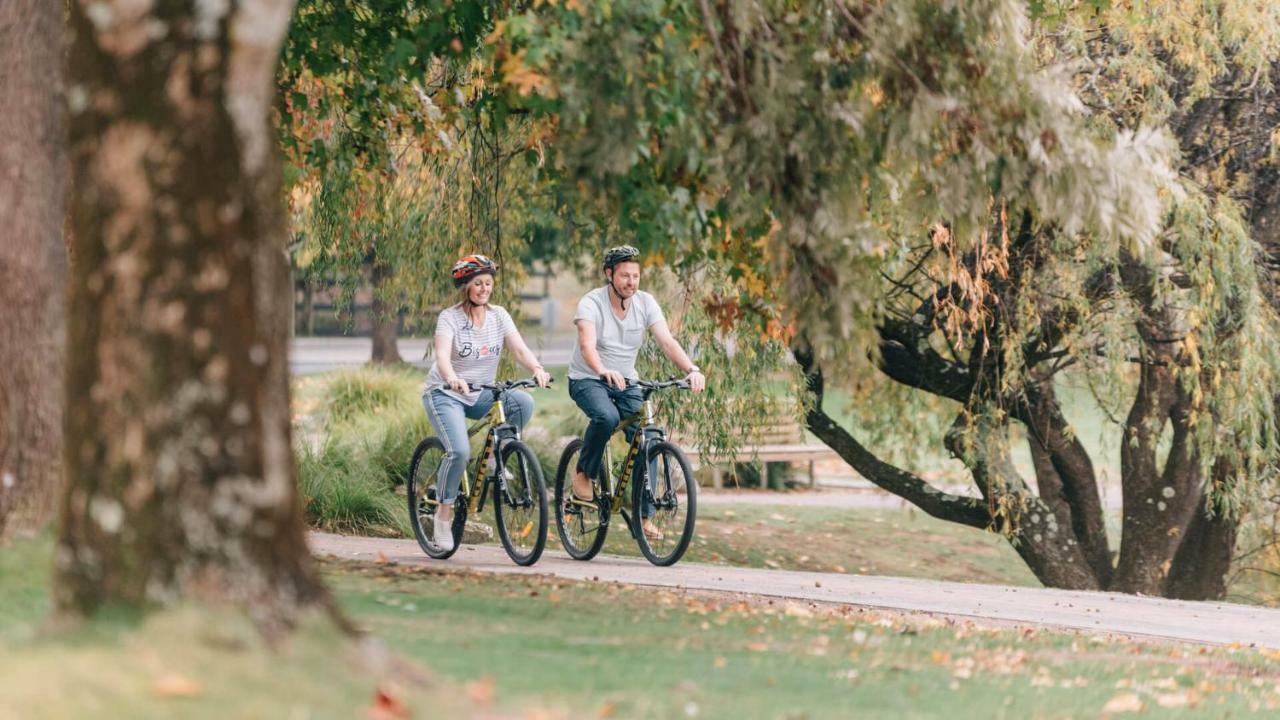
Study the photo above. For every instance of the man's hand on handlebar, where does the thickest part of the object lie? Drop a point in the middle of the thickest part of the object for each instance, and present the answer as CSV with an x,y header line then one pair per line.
x,y
614,378
697,381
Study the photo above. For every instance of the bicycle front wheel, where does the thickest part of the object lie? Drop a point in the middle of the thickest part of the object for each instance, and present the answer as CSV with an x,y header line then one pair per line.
x,y
521,510
668,497
581,526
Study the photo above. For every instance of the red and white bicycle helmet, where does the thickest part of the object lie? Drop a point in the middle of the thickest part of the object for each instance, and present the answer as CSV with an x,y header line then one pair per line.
x,y
471,266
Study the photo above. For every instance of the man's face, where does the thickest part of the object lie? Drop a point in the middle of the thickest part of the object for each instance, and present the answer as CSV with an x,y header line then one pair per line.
x,y
625,277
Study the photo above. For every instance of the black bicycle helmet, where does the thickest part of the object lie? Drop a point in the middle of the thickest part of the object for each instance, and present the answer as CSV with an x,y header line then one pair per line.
x,y
622,253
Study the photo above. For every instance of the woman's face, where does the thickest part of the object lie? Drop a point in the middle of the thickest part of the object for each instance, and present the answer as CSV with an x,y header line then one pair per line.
x,y
480,288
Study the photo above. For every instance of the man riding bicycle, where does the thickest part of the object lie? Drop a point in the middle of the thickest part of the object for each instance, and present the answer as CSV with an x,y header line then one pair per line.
x,y
611,324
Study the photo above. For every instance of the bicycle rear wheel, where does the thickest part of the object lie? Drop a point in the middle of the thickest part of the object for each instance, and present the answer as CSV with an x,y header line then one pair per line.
x,y
670,496
581,527
521,511
424,472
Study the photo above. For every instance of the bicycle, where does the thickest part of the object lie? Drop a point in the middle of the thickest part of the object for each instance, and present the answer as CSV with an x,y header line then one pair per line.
x,y
671,491
519,492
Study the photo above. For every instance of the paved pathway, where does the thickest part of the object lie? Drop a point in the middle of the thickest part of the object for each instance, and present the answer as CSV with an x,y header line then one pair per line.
x,y
820,498
1215,623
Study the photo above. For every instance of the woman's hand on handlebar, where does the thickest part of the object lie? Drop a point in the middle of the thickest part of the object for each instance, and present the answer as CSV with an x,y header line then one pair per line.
x,y
542,377
458,385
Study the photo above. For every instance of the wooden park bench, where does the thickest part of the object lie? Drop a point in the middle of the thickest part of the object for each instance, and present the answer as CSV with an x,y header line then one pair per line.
x,y
778,438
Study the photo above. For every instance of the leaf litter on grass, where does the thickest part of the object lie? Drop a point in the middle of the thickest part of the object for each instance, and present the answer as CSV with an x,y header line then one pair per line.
x,y
863,648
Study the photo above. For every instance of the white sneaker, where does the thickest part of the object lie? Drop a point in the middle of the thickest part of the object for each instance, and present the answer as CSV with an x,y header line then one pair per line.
x,y
443,534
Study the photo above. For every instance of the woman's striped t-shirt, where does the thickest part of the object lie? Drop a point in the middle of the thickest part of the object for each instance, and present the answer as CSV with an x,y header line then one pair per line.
x,y
474,351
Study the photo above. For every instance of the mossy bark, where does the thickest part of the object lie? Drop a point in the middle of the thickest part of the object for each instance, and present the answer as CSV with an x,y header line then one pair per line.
x,y
182,471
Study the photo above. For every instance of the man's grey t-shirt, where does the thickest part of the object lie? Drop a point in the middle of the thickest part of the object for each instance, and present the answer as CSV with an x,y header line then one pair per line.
x,y
618,341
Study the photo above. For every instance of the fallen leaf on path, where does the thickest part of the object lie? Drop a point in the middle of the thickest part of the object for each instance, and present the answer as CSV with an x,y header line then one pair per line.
x,y
173,685
800,611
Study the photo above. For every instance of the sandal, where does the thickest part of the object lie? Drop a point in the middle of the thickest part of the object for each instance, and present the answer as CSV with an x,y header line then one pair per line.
x,y
651,531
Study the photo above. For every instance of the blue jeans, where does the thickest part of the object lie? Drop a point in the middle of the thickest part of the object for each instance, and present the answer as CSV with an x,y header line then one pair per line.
x,y
605,407
449,416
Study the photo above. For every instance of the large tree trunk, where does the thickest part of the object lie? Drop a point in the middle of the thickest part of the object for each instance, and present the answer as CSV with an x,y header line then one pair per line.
x,y
1065,476
1206,548
1159,498
385,320
179,452
33,263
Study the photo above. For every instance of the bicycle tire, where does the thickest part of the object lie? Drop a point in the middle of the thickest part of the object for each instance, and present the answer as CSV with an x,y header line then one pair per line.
x,y
525,485
675,500
419,482
573,525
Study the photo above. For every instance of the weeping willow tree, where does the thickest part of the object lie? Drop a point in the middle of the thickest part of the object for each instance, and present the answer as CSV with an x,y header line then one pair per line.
x,y
477,191
973,202
377,96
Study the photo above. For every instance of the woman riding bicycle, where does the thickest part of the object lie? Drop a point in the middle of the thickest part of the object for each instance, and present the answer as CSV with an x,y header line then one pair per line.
x,y
470,337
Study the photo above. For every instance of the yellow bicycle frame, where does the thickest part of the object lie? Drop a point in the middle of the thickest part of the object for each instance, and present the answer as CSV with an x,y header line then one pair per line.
x,y
646,418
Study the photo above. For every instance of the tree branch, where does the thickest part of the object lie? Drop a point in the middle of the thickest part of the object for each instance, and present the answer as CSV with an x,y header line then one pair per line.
x,y
944,506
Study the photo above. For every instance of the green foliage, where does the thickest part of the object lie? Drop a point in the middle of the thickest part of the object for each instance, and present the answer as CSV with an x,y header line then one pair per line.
x,y
853,129
368,391
1232,347
372,421
342,491
399,165
380,70
738,364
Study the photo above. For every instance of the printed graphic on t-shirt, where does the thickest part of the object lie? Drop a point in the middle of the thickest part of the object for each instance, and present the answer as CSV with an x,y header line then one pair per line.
x,y
466,350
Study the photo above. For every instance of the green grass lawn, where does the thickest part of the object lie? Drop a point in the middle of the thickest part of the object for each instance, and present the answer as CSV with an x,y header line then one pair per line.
x,y
467,645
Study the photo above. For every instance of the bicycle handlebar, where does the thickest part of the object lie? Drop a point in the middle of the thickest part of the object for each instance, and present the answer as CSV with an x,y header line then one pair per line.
x,y
506,385
680,383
